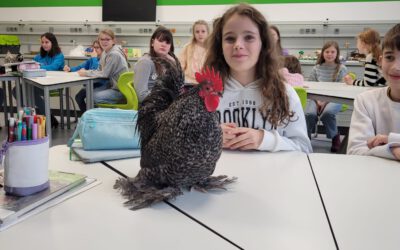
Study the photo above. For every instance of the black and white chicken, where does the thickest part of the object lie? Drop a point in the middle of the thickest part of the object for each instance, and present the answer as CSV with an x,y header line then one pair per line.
x,y
181,140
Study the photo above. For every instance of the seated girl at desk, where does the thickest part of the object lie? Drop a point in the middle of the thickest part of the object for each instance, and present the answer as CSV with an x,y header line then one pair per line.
x,y
52,59
375,123
193,54
258,111
148,68
113,63
292,71
368,43
327,69
90,64
276,37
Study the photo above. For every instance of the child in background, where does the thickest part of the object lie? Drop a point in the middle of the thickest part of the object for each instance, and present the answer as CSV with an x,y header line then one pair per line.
x,y
327,69
113,63
257,110
375,123
50,56
276,37
292,71
193,54
52,59
368,44
149,68
90,64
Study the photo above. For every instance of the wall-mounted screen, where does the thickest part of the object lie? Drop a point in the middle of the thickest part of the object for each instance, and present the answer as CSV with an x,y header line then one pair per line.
x,y
129,10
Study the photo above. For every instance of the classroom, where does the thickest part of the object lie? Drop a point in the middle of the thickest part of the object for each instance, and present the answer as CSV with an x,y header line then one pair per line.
x,y
199,124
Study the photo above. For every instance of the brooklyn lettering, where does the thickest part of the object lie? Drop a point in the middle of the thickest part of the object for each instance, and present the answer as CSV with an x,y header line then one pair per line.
x,y
243,117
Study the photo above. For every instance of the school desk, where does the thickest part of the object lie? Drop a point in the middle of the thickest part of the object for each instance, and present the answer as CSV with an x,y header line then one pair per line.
x,y
6,80
97,219
57,80
273,205
334,91
361,195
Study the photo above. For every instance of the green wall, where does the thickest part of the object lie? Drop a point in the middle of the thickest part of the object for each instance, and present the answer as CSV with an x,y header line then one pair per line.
x,y
75,3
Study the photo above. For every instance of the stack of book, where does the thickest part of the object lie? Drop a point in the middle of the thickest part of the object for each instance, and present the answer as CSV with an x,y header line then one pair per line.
x,y
63,185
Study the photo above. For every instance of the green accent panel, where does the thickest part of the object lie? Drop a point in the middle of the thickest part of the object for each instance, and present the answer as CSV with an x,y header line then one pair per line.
x,y
50,3
214,2
77,3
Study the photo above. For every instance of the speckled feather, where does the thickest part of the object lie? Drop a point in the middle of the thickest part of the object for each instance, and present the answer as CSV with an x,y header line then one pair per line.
x,y
181,143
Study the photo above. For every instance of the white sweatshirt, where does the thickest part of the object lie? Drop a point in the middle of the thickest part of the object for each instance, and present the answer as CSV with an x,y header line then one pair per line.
x,y
374,113
240,104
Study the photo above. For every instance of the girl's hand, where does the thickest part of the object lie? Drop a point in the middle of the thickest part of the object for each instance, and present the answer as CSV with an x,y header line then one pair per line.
x,y
245,138
377,140
227,133
348,79
67,69
82,72
396,152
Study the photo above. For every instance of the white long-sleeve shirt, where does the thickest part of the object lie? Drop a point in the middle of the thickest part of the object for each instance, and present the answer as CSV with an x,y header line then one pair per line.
x,y
240,104
374,113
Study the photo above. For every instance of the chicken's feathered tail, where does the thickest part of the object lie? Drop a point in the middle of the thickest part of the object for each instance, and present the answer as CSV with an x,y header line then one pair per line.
x,y
140,194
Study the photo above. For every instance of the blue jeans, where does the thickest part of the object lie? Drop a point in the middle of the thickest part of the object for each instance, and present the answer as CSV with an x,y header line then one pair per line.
x,y
109,96
80,98
328,117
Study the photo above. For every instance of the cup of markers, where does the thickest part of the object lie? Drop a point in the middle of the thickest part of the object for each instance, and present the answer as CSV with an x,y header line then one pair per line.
x,y
26,154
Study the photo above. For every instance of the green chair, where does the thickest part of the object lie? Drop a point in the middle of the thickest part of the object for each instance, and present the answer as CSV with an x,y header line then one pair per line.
x,y
125,86
302,93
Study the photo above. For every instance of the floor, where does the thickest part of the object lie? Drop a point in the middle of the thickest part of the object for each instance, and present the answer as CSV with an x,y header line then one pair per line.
x,y
60,136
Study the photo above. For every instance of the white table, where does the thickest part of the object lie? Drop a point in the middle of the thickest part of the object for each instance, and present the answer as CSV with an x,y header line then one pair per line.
x,y
334,92
361,195
273,205
58,80
97,219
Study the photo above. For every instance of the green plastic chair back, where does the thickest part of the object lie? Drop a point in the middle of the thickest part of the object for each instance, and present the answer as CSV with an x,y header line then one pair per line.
x,y
302,93
125,86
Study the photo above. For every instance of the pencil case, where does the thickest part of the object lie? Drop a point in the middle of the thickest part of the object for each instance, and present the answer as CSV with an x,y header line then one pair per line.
x,y
26,166
30,73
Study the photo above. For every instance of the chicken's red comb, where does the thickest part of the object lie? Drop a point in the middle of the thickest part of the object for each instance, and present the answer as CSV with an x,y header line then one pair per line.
x,y
210,76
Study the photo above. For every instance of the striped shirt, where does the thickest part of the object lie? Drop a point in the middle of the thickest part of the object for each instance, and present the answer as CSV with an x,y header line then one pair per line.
x,y
372,74
325,73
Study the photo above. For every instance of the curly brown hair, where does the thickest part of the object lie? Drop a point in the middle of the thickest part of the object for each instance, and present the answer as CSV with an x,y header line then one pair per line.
x,y
275,107
371,38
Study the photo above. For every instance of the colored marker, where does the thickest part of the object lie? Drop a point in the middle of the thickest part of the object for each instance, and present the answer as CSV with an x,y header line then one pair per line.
x,y
34,131
23,132
11,125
